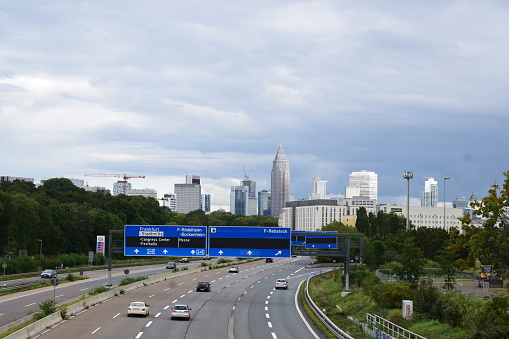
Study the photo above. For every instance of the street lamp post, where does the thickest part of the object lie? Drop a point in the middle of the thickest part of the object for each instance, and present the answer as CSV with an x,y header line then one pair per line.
x,y
446,178
40,252
408,175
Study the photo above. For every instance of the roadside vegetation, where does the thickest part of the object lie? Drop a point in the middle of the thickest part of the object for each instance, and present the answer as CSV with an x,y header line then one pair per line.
x,y
412,258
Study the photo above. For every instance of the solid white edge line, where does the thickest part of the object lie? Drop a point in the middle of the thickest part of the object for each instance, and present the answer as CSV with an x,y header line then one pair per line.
x,y
300,313
97,329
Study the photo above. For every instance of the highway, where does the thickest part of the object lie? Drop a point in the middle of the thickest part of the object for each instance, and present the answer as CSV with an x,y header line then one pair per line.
x,y
240,305
19,305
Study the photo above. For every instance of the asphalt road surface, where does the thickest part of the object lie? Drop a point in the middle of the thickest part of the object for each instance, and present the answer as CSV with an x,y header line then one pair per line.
x,y
240,305
19,305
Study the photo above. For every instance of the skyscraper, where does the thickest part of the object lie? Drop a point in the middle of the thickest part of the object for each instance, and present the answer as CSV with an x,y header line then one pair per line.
x,y
366,182
264,202
429,197
239,197
279,182
252,202
319,189
188,195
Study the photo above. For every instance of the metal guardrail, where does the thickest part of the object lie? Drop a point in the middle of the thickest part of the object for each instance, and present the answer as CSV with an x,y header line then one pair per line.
x,y
339,333
383,328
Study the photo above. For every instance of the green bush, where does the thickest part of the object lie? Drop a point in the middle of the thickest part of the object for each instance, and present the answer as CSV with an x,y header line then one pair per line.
x,y
99,259
47,307
67,260
98,290
70,277
391,295
127,281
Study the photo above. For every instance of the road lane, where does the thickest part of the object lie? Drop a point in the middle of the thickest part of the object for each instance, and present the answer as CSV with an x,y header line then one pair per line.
x,y
18,305
236,301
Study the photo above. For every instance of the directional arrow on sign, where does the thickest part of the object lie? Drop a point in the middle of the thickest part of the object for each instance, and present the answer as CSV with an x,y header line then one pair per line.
x,y
220,252
136,251
193,252
279,252
165,251
249,252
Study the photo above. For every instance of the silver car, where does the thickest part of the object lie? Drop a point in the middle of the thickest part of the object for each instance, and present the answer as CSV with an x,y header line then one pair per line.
x,y
181,311
233,269
281,283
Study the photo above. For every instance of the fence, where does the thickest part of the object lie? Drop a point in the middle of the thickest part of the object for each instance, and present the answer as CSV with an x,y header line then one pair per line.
x,y
383,329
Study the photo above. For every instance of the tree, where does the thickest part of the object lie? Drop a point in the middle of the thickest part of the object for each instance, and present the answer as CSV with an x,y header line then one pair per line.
x,y
491,242
362,222
412,261
7,213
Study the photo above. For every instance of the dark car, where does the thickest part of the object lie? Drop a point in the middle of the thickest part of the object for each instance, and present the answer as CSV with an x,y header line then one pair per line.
x,y
203,286
269,260
48,274
171,265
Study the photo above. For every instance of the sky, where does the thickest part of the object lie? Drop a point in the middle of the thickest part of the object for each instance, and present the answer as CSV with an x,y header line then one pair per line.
x,y
212,88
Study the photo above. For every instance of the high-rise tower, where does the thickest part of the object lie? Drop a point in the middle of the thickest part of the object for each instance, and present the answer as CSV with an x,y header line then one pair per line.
x,y
365,182
279,182
429,197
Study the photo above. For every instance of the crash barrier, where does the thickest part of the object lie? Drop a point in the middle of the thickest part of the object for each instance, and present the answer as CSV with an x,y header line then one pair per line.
x,y
383,328
339,333
48,321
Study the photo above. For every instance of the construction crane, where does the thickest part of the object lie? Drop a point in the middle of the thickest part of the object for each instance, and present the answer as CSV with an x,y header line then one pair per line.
x,y
123,176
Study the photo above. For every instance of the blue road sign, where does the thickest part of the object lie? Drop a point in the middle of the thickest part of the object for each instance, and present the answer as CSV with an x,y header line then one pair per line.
x,y
322,241
256,242
297,238
161,240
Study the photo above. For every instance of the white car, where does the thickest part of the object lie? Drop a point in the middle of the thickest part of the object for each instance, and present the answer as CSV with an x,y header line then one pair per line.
x,y
138,308
180,311
233,269
281,283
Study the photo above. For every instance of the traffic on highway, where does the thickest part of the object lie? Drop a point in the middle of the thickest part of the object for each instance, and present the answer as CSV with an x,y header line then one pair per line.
x,y
241,305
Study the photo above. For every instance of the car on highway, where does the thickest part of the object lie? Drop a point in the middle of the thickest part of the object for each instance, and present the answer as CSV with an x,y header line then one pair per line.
x,y
181,311
184,260
233,269
171,265
281,283
138,308
203,286
48,274
268,260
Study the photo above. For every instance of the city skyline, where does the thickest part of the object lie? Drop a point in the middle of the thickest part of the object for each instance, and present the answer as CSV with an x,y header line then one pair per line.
x,y
173,88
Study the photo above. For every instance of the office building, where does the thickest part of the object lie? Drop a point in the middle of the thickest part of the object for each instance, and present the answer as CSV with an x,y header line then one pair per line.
x,y
169,200
239,200
312,215
144,192
363,183
430,217
193,179
279,182
6,178
252,203
188,195
319,189
264,203
429,197
121,187
205,202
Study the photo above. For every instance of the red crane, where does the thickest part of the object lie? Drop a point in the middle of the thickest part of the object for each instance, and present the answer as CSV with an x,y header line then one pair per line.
x,y
123,176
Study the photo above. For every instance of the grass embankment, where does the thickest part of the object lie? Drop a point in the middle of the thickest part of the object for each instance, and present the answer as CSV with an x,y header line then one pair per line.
x,y
325,290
